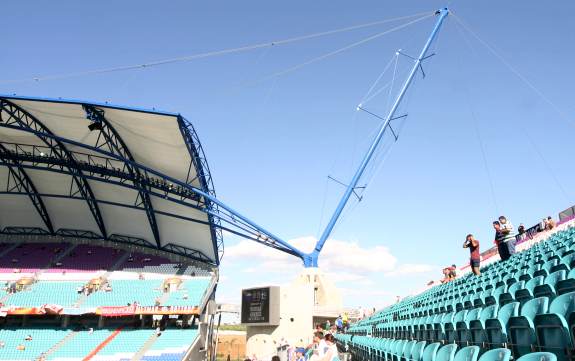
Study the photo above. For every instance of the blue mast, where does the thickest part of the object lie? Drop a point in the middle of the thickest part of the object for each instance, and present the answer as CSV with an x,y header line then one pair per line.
x,y
310,260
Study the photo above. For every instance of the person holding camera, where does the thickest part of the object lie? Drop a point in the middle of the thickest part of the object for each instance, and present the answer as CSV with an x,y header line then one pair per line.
x,y
475,258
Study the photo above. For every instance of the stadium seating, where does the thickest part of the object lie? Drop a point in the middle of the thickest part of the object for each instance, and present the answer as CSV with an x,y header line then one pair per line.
x,y
171,345
515,308
46,292
190,292
30,257
124,292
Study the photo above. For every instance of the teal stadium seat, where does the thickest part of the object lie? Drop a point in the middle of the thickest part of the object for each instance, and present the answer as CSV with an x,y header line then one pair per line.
x,y
552,329
462,331
509,296
568,284
547,289
430,352
417,351
469,353
521,329
446,353
538,356
496,328
525,294
497,354
407,350
477,327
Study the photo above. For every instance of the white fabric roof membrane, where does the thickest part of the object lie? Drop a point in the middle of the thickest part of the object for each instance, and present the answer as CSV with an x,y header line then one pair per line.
x,y
154,140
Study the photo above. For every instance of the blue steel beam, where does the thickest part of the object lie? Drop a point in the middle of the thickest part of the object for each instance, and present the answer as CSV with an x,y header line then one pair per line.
x,y
266,236
19,118
203,174
107,170
117,144
311,259
24,182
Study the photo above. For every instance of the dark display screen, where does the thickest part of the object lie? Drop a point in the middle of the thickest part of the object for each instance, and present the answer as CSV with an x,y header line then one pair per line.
x,y
256,305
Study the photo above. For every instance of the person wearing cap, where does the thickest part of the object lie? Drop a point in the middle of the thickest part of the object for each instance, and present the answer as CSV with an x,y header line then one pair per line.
x,y
299,351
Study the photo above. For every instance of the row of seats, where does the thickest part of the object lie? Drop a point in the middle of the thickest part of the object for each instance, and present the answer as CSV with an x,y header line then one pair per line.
x,y
526,303
54,257
144,292
171,345
374,349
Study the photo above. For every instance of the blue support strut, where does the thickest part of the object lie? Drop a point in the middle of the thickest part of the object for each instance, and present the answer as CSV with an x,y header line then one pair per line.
x,y
311,259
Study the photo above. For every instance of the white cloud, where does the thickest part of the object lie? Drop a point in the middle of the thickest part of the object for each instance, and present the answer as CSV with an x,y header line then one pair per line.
x,y
336,256
409,269
357,270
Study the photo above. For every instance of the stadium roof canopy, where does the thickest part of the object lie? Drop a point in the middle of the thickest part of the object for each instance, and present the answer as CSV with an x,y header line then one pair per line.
x,y
100,171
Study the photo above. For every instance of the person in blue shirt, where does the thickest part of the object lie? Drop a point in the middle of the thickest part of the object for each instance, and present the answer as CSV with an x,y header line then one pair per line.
x,y
339,323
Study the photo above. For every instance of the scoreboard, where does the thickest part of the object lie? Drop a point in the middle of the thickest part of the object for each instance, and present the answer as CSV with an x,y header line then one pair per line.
x,y
260,306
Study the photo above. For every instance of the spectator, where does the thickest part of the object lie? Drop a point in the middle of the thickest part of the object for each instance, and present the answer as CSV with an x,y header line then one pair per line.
x,y
298,354
501,246
452,272
521,229
550,223
331,353
327,325
339,323
509,236
474,257
345,321
543,225
274,358
320,343
445,275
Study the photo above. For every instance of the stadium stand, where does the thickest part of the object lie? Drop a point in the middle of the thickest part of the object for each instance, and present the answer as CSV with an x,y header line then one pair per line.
x,y
521,308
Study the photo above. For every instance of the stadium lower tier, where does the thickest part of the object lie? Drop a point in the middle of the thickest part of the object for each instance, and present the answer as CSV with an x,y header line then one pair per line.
x,y
119,344
524,304
365,348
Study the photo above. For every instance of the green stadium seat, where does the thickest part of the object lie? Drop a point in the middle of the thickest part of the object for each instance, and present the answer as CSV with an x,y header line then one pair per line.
x,y
462,332
407,350
538,356
567,285
417,351
496,328
552,329
525,294
446,353
469,353
477,327
547,289
497,354
509,296
430,352
521,329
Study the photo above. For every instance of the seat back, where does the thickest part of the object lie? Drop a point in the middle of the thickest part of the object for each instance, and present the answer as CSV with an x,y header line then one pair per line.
x,y
446,353
538,356
488,312
430,352
534,307
417,351
408,349
469,353
507,311
555,277
497,354
563,305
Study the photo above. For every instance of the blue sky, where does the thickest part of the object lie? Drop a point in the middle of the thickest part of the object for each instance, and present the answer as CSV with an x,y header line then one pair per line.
x,y
272,141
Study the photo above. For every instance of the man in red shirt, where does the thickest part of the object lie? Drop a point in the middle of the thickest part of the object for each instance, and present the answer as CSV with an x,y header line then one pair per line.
x,y
474,259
